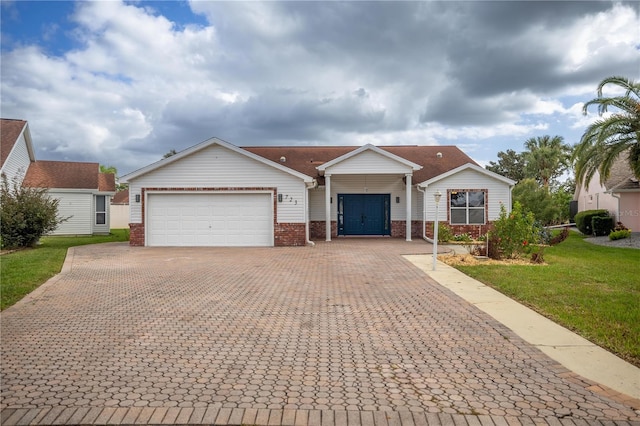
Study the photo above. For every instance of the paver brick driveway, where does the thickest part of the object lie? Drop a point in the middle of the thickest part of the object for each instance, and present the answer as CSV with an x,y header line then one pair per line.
x,y
341,327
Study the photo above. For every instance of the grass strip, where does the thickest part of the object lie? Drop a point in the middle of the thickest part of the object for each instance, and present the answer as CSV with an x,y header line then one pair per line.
x,y
23,271
590,289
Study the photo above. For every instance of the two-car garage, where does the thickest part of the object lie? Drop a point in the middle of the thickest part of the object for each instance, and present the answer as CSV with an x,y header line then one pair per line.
x,y
212,219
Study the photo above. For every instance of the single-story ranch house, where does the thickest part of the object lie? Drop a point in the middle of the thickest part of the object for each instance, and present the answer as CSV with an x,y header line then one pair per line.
x,y
619,194
218,194
82,190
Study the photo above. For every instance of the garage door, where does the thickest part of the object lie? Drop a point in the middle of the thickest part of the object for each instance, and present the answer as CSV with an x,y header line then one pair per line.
x,y
221,219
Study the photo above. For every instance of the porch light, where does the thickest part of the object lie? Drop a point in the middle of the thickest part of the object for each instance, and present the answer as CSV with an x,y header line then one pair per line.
x,y
397,200
436,196
137,198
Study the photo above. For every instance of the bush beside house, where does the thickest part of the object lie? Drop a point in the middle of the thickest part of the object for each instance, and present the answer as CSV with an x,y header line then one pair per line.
x,y
584,220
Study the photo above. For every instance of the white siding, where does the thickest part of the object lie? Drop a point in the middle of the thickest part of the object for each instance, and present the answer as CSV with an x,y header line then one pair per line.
x,y
368,162
316,204
365,184
79,208
101,229
497,192
18,160
418,206
219,167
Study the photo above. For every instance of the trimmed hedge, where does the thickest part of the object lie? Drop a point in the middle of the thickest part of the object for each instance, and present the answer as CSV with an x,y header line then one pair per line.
x,y
602,225
584,220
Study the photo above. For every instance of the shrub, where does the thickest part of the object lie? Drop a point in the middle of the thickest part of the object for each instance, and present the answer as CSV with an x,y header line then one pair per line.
x,y
513,232
619,234
26,214
584,220
444,233
601,225
548,207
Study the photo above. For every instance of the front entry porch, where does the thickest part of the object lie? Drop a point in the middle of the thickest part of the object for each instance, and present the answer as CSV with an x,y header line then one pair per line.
x,y
364,214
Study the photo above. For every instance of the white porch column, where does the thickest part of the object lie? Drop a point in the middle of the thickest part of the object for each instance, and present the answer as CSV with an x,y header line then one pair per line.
x,y
409,202
327,205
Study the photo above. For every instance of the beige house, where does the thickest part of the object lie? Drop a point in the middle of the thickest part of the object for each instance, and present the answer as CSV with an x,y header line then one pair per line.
x,y
619,194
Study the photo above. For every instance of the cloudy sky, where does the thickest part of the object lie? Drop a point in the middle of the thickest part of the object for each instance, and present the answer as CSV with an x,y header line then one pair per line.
x,y
122,83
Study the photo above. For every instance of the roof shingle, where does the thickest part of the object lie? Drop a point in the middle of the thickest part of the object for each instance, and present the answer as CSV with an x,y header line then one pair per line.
x,y
70,175
306,159
9,132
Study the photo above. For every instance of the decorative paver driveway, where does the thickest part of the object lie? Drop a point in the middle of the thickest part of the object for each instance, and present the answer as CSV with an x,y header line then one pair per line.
x,y
344,332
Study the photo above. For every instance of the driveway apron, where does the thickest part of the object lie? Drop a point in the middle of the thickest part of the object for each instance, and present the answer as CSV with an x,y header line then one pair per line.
x,y
346,332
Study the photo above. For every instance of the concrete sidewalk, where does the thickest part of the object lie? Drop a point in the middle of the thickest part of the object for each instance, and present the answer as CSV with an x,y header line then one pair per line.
x,y
572,351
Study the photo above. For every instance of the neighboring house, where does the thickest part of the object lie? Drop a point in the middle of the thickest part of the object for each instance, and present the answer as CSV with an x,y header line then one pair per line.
x,y
218,194
619,194
83,192
16,149
119,210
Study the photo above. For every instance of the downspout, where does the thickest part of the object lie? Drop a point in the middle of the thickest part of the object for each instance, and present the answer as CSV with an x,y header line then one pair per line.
x,y
424,214
616,195
307,221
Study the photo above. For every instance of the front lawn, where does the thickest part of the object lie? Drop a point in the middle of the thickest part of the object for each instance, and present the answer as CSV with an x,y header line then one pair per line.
x,y
23,271
590,289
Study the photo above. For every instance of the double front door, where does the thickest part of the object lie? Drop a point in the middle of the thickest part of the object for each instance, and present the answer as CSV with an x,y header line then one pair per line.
x,y
364,214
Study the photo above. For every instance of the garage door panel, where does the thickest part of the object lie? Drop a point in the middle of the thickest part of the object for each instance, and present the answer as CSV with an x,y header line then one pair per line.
x,y
223,219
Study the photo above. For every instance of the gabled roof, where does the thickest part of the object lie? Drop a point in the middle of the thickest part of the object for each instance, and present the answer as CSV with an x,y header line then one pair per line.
x,y
306,159
621,177
69,175
10,131
467,166
368,147
213,141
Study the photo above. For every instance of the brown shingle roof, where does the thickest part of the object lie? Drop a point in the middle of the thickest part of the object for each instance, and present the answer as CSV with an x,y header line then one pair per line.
x,y
306,159
121,197
106,182
70,175
621,176
9,132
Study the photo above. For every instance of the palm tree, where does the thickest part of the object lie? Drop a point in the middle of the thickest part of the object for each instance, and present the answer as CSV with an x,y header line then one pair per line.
x,y
547,158
612,135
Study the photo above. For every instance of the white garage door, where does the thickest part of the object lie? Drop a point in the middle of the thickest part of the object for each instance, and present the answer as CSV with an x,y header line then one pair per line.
x,y
221,219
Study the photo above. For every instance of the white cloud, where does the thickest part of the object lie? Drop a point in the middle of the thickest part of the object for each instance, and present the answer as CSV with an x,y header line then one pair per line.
x,y
138,84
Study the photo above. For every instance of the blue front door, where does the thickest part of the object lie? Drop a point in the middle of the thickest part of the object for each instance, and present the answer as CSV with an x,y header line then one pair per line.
x,y
364,214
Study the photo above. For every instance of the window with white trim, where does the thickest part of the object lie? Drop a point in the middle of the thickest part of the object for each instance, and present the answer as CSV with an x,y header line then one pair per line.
x,y
467,207
101,209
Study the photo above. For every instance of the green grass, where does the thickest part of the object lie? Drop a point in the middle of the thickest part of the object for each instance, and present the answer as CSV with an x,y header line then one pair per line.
x,y
590,289
23,271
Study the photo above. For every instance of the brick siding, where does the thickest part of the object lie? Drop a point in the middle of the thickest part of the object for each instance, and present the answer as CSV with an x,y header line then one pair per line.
x,y
136,234
290,234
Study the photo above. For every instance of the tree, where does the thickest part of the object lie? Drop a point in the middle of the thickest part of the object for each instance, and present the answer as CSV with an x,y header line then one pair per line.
x,y
549,208
546,158
612,134
171,153
510,164
26,214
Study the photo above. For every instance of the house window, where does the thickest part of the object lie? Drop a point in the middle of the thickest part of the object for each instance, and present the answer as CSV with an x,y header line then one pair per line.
x,y
101,209
467,207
